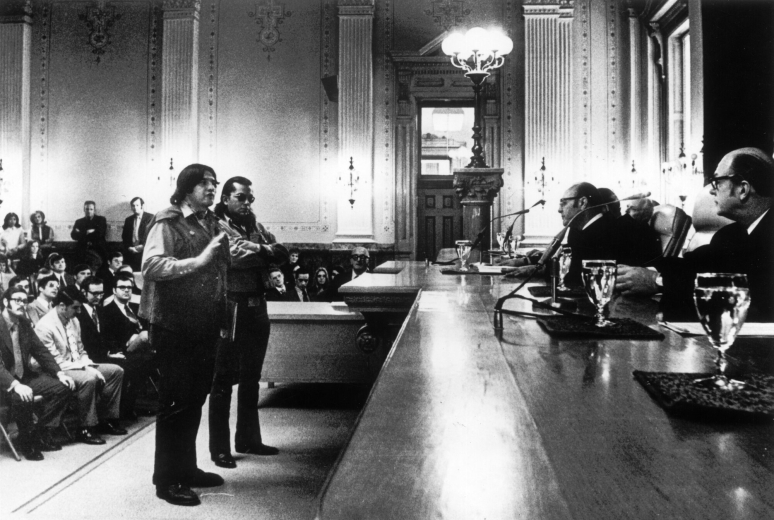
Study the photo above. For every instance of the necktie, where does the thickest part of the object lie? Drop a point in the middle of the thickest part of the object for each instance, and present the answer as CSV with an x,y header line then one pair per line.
x,y
306,296
72,343
136,231
17,354
95,317
130,315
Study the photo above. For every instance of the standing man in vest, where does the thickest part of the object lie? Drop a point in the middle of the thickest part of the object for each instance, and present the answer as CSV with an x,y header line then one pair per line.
x,y
253,249
184,265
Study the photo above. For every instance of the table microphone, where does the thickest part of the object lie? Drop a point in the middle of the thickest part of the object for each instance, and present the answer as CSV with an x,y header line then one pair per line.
x,y
480,235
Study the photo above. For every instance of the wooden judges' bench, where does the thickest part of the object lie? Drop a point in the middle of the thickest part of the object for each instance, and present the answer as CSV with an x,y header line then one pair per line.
x,y
462,425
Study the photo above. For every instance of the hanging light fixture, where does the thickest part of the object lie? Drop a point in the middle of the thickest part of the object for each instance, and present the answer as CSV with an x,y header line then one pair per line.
x,y
477,52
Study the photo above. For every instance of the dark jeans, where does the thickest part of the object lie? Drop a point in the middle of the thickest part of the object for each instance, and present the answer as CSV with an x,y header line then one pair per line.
x,y
239,361
185,366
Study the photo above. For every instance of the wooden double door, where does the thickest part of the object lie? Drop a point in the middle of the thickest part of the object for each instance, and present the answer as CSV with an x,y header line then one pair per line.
x,y
439,215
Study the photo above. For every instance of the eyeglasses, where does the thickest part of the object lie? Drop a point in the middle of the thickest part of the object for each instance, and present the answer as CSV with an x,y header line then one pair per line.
x,y
360,258
19,300
97,293
124,287
566,199
714,180
241,197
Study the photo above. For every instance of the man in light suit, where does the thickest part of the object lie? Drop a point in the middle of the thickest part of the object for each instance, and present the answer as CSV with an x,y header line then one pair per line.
x,y
61,334
48,287
135,232
18,346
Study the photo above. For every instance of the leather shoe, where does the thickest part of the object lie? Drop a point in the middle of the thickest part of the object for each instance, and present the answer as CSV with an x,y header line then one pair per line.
x,y
178,494
110,428
87,437
202,478
31,452
224,460
256,449
47,443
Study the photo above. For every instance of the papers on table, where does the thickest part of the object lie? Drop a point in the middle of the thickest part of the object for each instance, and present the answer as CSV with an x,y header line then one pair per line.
x,y
749,330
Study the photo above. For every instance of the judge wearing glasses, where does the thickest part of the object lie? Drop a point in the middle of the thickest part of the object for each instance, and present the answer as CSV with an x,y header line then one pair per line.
x,y
743,187
358,262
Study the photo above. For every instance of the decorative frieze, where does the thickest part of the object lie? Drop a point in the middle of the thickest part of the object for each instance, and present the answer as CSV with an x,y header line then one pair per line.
x,y
477,185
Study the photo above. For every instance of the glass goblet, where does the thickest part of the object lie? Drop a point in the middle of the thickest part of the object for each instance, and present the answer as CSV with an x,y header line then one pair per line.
x,y
463,251
722,301
501,241
599,281
565,259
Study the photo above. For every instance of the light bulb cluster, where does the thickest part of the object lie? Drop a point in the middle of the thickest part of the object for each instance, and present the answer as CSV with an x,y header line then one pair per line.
x,y
478,50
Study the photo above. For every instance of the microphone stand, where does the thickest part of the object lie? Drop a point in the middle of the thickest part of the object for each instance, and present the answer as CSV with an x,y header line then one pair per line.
x,y
548,253
480,235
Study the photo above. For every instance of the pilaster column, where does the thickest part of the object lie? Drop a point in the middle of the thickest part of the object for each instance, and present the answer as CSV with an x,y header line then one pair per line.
x,y
635,92
356,126
548,101
15,57
476,188
179,86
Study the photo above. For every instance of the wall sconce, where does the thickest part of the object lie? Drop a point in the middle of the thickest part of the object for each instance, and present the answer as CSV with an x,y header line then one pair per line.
x,y
696,169
477,52
542,179
682,160
354,178
170,164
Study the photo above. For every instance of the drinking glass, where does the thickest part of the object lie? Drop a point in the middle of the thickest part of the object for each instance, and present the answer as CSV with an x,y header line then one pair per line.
x,y
515,243
565,259
599,280
463,251
722,301
501,242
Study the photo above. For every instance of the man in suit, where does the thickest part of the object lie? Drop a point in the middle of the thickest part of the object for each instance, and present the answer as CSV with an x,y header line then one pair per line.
x,y
241,355
91,234
58,264
358,261
135,232
115,259
278,290
127,343
82,271
48,288
636,242
95,383
90,320
743,187
299,292
184,268
18,345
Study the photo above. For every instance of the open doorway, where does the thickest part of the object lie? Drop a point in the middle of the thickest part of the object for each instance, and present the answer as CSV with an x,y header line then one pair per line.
x,y
445,141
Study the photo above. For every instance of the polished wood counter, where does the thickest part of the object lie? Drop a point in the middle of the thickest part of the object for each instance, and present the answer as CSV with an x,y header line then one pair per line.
x,y
463,425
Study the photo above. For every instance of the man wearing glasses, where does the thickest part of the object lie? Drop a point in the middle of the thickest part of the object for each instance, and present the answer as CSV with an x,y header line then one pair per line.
x,y
743,187
127,343
358,261
184,266
241,354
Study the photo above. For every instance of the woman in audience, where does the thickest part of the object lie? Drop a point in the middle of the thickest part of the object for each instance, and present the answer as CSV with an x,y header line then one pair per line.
x,y
12,237
31,259
40,231
321,285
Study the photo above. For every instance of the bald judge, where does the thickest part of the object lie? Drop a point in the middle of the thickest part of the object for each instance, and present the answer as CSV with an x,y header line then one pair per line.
x,y
743,187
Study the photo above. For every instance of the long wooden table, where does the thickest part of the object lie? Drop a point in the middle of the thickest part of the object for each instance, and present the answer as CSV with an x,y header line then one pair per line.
x,y
462,425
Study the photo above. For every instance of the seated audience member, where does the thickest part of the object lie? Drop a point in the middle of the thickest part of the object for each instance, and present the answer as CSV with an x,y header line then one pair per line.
x,y
743,187
289,269
640,210
24,283
41,231
12,237
22,382
82,271
636,242
58,265
358,261
321,286
127,342
90,232
299,291
135,232
115,259
30,259
278,291
336,270
589,234
97,386
48,288
90,320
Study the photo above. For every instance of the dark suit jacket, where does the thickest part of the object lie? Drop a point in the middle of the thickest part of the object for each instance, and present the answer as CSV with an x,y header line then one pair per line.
x,y
637,244
593,243
292,296
273,295
126,234
731,250
92,339
30,346
117,328
109,280
68,280
97,239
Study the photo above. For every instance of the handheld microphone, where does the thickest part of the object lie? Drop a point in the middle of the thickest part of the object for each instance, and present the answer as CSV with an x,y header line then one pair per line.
x,y
480,235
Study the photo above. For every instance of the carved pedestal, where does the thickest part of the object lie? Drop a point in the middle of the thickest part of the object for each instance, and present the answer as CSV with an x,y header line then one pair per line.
x,y
476,188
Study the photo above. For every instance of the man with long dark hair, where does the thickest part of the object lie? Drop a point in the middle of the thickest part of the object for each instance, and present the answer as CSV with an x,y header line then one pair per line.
x,y
184,265
253,249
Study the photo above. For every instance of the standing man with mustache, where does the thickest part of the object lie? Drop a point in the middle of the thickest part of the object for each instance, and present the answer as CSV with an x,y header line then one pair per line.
x,y
184,265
